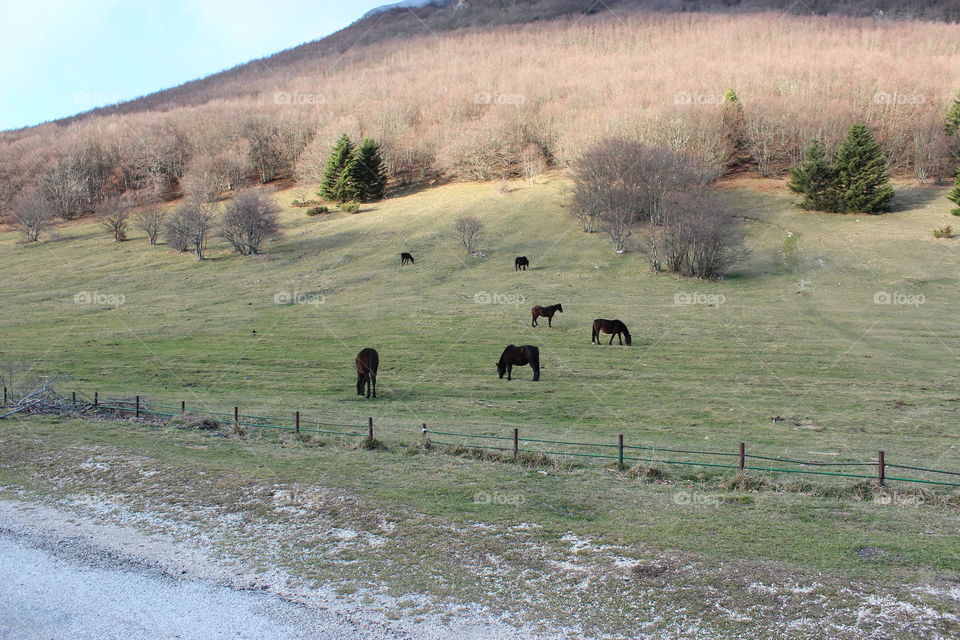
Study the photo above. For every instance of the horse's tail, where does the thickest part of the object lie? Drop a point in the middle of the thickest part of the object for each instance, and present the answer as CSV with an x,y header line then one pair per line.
x,y
594,333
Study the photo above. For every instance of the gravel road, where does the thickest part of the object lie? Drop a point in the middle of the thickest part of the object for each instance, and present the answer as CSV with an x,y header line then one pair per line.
x,y
45,595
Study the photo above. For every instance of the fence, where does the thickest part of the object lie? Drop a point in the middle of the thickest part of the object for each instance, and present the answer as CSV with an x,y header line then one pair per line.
x,y
620,451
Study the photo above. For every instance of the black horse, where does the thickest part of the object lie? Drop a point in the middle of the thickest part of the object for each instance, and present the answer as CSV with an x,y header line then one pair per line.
x,y
520,262
615,328
367,362
545,312
519,356
405,258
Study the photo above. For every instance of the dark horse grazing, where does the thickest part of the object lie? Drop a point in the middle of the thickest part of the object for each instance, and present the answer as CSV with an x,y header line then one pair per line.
x,y
615,328
545,312
520,262
519,356
367,362
405,258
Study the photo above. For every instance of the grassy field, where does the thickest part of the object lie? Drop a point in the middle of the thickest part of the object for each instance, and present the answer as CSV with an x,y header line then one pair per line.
x,y
798,334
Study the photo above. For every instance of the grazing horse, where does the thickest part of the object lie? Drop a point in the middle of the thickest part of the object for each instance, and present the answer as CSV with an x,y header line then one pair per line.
x,y
520,262
367,362
405,258
545,312
519,356
615,328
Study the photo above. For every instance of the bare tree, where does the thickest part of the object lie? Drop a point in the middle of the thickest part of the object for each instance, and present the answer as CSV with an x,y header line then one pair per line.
x,y
628,180
189,227
150,221
249,220
113,214
700,236
469,232
619,224
31,214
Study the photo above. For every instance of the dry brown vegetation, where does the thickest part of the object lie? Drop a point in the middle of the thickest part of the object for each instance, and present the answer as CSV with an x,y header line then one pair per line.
x,y
486,104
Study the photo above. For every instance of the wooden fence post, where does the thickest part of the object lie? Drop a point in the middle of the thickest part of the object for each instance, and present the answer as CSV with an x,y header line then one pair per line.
x,y
425,432
4,396
296,421
137,409
183,406
236,416
370,429
881,468
96,398
73,398
743,457
620,450
516,442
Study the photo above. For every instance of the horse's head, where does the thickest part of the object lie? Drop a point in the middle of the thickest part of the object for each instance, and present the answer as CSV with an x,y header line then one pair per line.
x,y
501,367
560,308
627,339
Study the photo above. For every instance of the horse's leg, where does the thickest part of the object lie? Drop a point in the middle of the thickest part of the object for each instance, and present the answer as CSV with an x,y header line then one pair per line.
x,y
533,322
612,336
620,338
549,321
509,371
373,384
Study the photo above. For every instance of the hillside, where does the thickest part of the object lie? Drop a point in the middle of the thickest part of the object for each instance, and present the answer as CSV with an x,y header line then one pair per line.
x,y
437,16
476,104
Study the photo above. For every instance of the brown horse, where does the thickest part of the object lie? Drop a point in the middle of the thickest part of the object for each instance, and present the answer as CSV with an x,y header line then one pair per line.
x,y
615,328
520,262
406,258
545,312
367,362
519,356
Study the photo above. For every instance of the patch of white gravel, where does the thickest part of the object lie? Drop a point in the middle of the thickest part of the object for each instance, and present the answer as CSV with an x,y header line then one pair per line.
x,y
64,574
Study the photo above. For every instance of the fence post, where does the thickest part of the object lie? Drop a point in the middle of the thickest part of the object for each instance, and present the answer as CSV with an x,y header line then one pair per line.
x,y
743,456
426,433
620,450
96,398
881,468
370,429
137,410
236,416
296,420
183,406
4,396
516,442
73,398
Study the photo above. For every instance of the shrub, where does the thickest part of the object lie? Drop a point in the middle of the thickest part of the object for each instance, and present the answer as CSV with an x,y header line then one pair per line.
x,y
189,226
943,232
250,219
469,230
318,210
113,214
619,183
350,207
32,214
700,236
150,221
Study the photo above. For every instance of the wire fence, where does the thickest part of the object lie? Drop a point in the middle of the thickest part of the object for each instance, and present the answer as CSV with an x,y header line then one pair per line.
x,y
877,468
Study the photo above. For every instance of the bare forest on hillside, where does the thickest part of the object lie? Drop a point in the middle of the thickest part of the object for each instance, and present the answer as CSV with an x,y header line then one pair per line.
x,y
511,100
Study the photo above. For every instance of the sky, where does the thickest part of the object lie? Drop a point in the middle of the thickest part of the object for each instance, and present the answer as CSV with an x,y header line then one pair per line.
x,y
61,57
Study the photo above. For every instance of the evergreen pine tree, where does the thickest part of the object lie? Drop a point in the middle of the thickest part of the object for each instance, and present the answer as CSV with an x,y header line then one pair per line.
x,y
954,195
862,180
814,178
349,187
368,171
952,125
339,159
734,126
